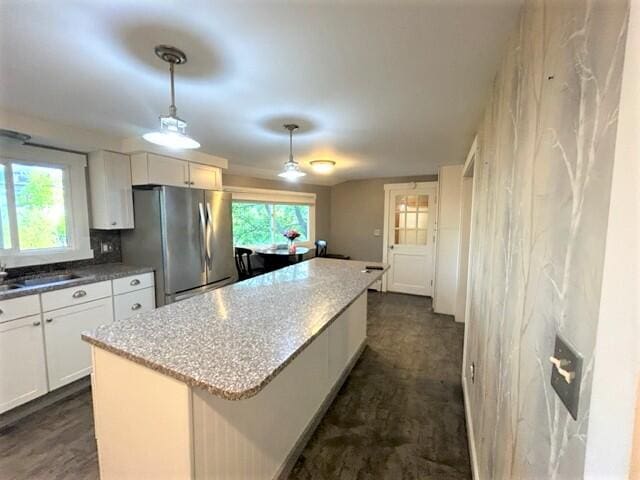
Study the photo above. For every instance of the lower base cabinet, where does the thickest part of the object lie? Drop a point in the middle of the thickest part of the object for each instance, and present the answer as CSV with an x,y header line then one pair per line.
x,y
68,357
23,375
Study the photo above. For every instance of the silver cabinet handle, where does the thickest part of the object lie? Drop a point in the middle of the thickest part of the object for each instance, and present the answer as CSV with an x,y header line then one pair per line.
x,y
1,311
49,320
79,294
36,323
134,282
136,306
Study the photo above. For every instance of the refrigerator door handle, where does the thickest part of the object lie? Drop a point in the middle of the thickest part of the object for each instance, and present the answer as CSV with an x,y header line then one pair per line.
x,y
209,234
203,230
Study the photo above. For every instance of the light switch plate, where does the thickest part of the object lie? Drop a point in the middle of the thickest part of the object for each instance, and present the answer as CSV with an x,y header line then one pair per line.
x,y
569,393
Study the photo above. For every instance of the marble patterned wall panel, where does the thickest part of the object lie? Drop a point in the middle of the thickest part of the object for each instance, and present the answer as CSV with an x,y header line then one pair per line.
x,y
541,195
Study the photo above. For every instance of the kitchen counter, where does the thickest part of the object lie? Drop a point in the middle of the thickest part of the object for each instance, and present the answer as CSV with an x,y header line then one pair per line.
x,y
234,340
230,383
89,274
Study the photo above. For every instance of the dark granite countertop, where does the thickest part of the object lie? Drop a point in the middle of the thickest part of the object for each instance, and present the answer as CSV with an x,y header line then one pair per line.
x,y
234,340
89,274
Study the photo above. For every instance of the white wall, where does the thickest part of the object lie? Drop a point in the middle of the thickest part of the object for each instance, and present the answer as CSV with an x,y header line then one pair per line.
x,y
446,271
616,375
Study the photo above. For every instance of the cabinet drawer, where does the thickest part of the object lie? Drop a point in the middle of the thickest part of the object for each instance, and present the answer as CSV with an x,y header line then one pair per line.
x,y
134,282
129,304
19,307
75,295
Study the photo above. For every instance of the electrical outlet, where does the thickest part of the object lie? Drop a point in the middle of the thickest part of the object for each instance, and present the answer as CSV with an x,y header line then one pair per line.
x,y
106,247
376,232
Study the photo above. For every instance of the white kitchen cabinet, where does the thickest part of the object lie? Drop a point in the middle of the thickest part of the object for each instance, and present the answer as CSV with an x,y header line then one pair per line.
x,y
152,169
132,282
110,188
19,307
75,295
204,176
23,374
68,356
127,305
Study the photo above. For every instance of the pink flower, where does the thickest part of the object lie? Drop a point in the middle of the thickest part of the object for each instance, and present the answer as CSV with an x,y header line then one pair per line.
x,y
291,234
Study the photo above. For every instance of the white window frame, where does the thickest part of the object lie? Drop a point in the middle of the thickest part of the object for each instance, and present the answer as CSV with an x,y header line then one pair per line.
x,y
280,197
76,206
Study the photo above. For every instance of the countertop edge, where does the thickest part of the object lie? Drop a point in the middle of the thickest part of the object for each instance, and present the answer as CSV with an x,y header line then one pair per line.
x,y
94,277
233,396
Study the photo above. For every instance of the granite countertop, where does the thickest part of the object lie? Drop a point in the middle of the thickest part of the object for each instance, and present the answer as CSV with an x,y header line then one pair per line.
x,y
89,274
234,340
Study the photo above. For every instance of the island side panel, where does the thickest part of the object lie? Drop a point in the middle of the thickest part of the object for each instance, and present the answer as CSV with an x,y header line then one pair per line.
x,y
143,421
254,438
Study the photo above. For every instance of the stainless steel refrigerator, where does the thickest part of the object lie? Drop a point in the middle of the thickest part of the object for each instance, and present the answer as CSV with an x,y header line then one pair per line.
x,y
185,235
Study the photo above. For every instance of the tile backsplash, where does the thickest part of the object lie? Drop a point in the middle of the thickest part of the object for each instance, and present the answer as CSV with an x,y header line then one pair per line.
x,y
97,237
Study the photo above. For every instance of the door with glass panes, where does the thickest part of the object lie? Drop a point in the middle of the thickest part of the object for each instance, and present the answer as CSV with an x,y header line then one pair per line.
x,y
410,240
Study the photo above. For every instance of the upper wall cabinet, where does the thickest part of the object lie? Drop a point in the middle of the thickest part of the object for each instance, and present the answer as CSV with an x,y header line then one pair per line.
x,y
152,169
110,189
204,176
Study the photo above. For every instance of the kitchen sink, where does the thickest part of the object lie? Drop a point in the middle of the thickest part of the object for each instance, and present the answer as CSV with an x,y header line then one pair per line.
x,y
48,280
10,286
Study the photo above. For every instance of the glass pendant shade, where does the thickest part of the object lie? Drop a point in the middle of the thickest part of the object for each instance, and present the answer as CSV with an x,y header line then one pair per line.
x,y
172,134
291,171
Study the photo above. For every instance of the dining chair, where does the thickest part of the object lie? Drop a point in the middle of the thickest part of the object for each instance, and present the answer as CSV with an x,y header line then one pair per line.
x,y
321,251
243,263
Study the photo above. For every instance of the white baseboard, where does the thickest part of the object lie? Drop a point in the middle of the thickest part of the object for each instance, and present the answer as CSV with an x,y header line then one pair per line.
x,y
470,435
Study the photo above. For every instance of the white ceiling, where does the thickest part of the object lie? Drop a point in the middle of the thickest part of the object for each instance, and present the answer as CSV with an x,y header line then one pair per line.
x,y
384,88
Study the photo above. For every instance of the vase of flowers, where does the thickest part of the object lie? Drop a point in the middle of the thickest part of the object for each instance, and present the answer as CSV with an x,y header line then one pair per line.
x,y
291,235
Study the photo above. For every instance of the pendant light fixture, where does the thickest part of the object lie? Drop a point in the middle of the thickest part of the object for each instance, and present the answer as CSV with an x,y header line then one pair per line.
x,y
291,168
173,130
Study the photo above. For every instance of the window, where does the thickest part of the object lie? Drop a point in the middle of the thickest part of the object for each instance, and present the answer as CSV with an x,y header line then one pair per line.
x,y
40,220
38,194
264,223
261,216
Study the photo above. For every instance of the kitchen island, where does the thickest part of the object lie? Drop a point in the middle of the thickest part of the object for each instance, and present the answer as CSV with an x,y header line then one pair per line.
x,y
231,383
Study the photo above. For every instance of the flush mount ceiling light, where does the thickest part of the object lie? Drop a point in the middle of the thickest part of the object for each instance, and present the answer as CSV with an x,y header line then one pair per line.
x,y
173,130
322,166
291,168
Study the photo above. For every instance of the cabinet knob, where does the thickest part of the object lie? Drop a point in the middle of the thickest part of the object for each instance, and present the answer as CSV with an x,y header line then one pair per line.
x,y
134,282
79,294
192,183
114,223
136,306
1,311
186,182
48,320
36,323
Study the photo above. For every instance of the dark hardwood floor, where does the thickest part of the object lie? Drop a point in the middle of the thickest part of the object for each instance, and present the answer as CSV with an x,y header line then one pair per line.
x,y
399,415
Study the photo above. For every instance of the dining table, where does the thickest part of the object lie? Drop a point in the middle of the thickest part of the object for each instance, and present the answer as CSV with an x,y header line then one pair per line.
x,y
279,257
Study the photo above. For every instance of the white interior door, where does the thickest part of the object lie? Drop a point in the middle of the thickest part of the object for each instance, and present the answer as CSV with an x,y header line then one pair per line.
x,y
410,228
